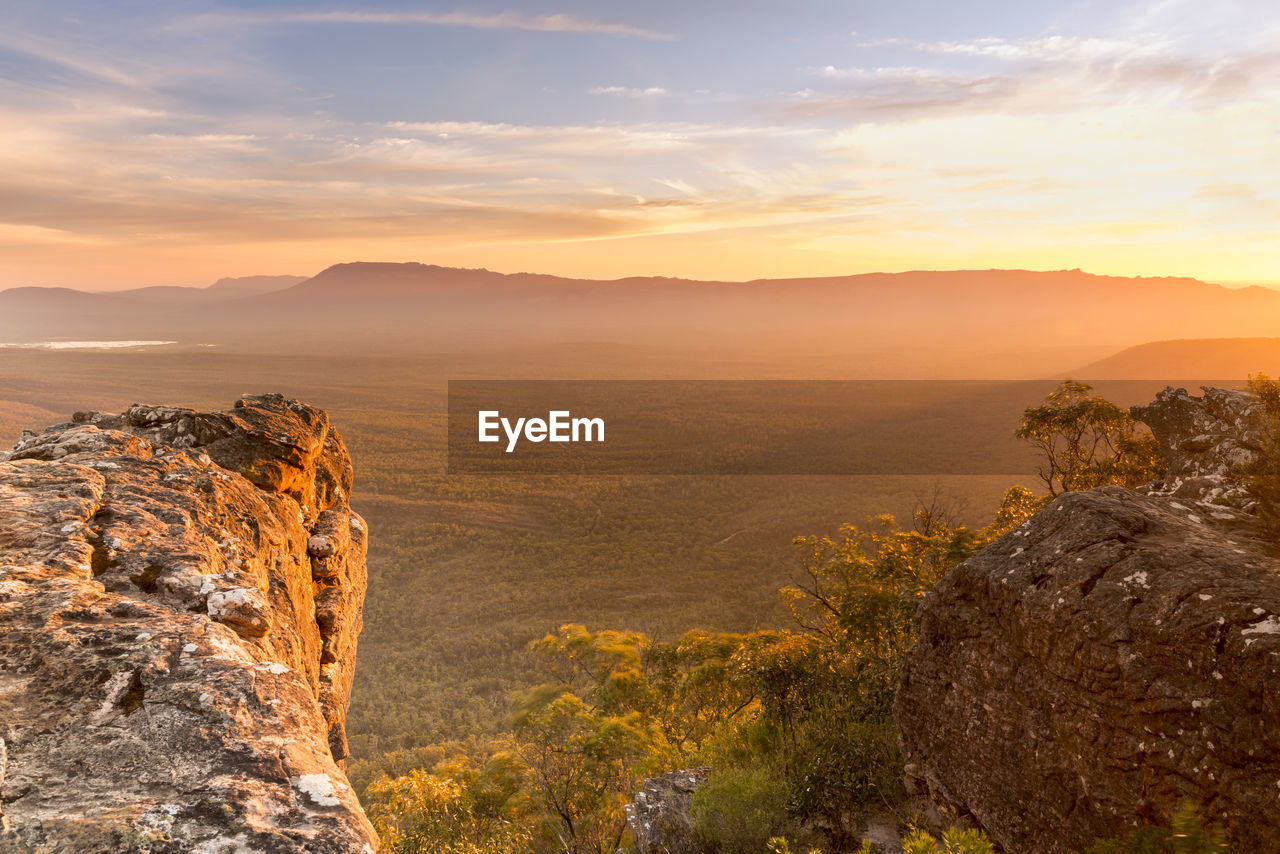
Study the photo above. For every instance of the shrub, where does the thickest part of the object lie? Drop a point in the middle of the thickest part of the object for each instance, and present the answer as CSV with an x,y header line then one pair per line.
x,y
739,810
842,767
951,841
780,845
450,813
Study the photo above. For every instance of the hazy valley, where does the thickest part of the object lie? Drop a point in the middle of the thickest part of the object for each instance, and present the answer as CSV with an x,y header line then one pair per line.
x,y
467,570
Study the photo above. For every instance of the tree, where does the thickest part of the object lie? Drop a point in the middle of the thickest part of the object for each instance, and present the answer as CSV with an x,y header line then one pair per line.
x,y
861,592
687,689
454,809
1086,441
583,765
798,724
832,699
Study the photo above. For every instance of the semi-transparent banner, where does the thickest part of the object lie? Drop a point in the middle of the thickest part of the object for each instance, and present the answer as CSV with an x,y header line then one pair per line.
x,y
747,426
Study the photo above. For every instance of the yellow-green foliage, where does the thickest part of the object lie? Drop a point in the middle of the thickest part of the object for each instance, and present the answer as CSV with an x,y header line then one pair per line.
x,y
1086,441
796,723
1018,505
951,841
583,765
738,810
456,809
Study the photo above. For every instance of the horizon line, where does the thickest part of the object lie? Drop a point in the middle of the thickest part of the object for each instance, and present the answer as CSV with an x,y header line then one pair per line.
x,y
1230,284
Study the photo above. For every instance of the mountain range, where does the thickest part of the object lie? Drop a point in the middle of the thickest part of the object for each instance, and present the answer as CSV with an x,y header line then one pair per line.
x,y
979,323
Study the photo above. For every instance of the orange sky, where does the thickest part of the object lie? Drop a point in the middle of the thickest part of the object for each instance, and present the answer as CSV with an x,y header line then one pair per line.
x,y
158,147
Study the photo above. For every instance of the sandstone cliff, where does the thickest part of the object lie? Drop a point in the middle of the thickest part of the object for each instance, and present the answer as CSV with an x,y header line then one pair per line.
x,y
1113,657
180,598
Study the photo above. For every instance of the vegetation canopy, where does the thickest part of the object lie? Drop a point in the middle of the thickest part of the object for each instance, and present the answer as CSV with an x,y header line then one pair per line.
x,y
1086,440
797,723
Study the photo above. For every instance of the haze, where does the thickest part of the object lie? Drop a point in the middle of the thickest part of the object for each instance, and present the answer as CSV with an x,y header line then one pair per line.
x,y
176,143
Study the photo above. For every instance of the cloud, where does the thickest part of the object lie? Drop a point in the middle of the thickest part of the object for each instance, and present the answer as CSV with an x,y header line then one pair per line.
x,y
951,151
1048,49
628,92
881,73
54,53
558,23
886,94
97,177
34,235
1055,74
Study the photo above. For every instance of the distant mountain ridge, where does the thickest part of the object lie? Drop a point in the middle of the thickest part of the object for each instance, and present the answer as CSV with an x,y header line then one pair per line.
x,y
977,323
411,276
257,283
1189,359
351,279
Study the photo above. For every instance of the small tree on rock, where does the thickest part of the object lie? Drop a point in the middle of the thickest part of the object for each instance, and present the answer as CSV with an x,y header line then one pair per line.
x,y
1086,441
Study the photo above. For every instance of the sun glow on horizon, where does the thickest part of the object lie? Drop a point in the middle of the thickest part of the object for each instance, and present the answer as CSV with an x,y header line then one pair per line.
x,y
178,148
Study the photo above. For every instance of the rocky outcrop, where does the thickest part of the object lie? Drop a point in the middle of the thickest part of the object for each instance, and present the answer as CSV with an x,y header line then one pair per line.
x,y
1207,440
180,598
1115,656
659,815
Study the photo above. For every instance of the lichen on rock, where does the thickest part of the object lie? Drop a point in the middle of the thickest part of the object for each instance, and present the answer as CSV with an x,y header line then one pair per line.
x,y
660,815
172,658
1207,440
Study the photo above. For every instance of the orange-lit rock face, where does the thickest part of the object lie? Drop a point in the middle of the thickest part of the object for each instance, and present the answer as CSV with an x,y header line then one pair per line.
x,y
175,661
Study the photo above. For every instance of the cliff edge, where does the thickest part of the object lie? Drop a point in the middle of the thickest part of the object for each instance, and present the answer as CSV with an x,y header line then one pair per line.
x,y
180,598
1114,657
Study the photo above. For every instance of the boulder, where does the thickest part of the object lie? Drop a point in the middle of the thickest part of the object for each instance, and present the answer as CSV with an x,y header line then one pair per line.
x,y
1114,657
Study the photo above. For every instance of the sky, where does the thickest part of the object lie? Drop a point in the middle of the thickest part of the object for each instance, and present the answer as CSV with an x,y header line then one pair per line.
x,y
151,142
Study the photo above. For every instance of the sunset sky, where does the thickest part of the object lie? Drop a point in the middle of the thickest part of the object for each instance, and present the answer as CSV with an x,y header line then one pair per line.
x,y
180,141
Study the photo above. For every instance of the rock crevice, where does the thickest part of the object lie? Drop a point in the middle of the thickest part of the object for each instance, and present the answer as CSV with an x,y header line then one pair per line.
x,y
180,599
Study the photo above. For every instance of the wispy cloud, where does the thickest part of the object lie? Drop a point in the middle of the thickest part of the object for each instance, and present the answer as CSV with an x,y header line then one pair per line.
x,y
628,91
1055,74
556,23
1047,49
156,132
898,72
467,182
60,54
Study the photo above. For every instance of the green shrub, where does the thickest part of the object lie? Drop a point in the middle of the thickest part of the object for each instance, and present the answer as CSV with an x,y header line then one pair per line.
x,y
842,767
741,810
459,810
952,841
